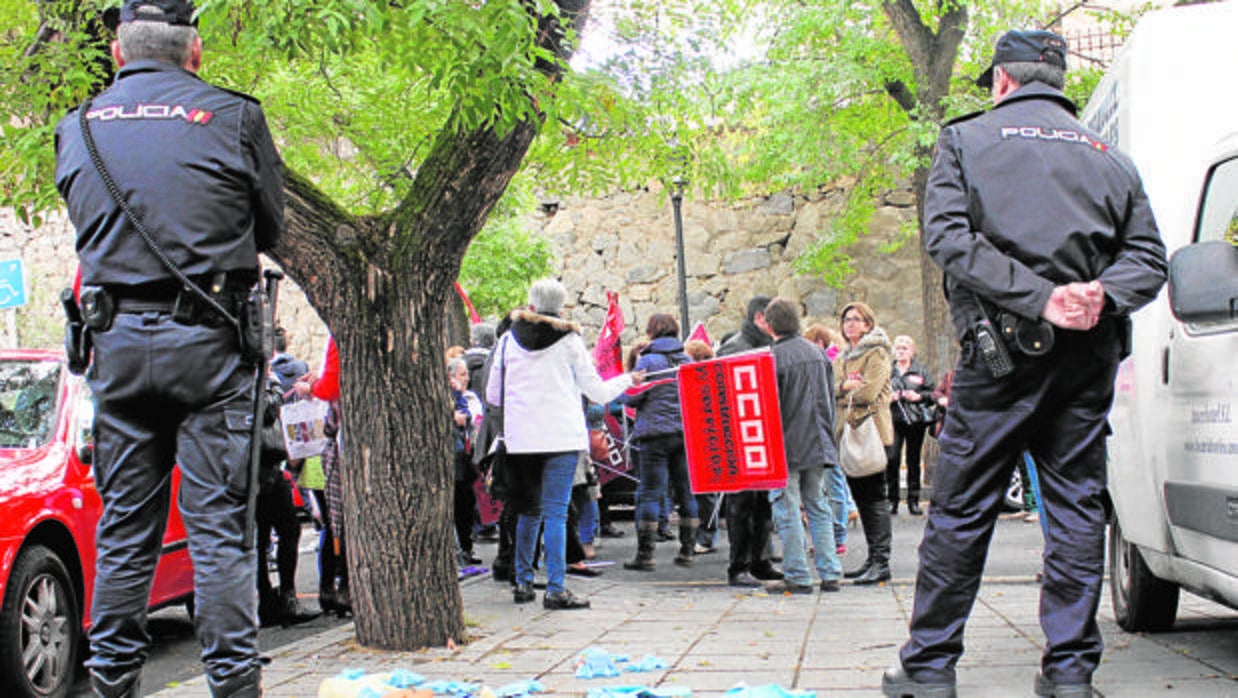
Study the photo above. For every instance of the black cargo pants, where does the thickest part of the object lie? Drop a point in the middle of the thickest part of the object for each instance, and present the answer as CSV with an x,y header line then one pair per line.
x,y
168,393
1055,406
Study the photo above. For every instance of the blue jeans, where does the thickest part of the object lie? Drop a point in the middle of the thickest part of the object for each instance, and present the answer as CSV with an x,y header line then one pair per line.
x,y
805,487
558,471
707,506
589,521
662,458
840,502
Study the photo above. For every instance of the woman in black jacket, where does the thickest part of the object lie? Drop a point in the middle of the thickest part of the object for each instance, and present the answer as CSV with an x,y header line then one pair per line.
x,y
912,408
658,437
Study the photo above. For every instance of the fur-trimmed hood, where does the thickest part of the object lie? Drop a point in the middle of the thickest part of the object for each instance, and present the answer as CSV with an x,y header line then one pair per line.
x,y
534,331
875,339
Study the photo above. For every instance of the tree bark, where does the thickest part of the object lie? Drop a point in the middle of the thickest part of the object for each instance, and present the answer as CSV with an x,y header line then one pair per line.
x,y
932,56
381,284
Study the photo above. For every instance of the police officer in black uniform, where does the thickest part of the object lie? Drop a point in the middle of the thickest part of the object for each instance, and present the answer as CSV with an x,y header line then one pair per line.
x,y
197,165
1048,244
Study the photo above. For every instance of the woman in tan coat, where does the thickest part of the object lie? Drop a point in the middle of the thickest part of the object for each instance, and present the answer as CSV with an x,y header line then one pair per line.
x,y
862,383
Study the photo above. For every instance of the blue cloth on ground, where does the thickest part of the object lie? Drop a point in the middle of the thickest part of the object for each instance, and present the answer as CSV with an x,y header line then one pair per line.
x,y
517,689
403,678
453,688
649,663
771,690
594,662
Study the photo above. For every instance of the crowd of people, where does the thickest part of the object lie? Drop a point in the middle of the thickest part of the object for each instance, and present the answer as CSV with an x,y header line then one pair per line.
x,y
532,381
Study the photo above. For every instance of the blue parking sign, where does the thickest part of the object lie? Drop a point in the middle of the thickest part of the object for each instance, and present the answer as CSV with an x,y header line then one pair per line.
x,y
12,284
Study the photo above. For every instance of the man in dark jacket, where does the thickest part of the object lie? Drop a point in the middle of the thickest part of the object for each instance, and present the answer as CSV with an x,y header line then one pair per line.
x,y
748,517
806,400
1043,228
171,385
481,341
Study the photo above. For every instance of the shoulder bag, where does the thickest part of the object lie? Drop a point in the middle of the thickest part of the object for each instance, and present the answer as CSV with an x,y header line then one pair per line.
x,y
860,451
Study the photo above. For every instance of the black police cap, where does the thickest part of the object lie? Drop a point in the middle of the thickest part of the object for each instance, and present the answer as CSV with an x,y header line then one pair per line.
x,y
177,12
1034,46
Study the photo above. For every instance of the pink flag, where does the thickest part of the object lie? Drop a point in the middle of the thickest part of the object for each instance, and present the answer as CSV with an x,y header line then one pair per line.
x,y
608,354
699,332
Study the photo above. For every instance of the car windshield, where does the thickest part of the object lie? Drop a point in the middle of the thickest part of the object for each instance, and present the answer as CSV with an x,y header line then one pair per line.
x,y
28,394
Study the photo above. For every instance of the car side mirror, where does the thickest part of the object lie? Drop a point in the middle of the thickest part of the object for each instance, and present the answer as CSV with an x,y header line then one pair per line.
x,y
1203,286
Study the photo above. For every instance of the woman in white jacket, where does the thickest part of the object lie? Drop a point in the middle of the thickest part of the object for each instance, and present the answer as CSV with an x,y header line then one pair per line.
x,y
540,374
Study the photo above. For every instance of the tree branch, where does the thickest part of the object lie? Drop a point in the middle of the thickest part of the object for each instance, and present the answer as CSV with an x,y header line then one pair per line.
x,y
897,89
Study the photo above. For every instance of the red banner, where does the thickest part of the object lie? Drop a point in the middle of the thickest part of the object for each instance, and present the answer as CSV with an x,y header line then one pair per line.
x,y
488,509
607,451
608,353
732,424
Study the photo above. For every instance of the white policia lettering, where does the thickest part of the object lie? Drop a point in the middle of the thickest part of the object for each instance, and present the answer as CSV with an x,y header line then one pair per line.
x,y
751,426
149,111
1044,134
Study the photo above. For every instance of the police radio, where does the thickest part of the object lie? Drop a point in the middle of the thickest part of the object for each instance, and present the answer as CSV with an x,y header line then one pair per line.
x,y
992,349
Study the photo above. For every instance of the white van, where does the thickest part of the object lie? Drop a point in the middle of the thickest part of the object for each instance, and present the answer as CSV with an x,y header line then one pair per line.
x,y
1169,103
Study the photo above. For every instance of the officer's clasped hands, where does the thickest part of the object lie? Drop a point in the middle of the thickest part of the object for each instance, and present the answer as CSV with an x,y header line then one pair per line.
x,y
1075,306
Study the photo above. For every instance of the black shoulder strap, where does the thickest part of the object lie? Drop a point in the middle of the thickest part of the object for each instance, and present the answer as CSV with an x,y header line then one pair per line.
x,y
114,191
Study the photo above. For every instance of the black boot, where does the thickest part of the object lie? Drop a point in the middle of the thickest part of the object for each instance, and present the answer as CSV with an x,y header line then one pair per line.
x,y
646,543
861,570
126,685
687,542
244,685
343,600
879,532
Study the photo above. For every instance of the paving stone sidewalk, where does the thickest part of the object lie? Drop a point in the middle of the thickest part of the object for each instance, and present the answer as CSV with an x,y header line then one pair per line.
x,y
713,637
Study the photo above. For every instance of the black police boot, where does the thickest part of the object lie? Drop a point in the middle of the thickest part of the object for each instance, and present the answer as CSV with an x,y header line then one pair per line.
x,y
1046,688
687,542
879,531
126,685
897,683
247,684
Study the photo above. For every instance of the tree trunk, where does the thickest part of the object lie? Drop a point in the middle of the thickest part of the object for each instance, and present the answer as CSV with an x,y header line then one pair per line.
x,y
939,349
382,285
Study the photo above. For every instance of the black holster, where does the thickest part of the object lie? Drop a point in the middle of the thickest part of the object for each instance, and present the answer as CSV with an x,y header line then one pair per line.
x,y
77,342
257,320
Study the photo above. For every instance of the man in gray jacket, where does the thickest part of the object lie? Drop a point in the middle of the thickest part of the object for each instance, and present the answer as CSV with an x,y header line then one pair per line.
x,y
806,400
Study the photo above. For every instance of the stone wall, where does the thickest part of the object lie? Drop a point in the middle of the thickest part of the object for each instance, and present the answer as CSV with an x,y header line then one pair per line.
x,y
624,242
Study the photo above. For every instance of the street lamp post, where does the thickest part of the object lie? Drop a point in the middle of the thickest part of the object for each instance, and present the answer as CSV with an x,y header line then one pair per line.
x,y
677,205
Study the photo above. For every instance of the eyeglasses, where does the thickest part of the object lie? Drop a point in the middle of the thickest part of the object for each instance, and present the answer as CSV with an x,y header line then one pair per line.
x,y
853,318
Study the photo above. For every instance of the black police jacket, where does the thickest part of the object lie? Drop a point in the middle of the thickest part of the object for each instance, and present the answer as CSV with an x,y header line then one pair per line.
x,y
196,163
1024,198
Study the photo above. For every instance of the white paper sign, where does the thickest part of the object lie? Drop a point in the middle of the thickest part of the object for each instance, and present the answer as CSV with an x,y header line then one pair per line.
x,y
304,422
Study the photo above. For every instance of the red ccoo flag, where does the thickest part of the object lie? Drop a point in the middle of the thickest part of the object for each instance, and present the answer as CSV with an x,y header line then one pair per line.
x,y
608,354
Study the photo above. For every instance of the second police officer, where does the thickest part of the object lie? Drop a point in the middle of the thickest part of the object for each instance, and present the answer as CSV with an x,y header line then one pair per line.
x,y
1048,244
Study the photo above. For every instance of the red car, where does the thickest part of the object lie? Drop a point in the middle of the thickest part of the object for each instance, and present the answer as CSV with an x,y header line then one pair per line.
x,y
49,509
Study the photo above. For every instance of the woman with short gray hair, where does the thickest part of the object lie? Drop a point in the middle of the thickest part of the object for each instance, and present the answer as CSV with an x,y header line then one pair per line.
x,y
541,373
